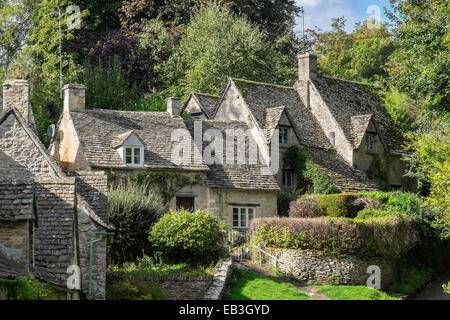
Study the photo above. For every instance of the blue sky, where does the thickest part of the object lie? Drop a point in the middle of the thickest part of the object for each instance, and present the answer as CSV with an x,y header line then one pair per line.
x,y
319,12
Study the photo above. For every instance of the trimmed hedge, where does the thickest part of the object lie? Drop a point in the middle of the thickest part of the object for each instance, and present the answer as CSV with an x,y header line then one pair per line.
x,y
192,237
382,237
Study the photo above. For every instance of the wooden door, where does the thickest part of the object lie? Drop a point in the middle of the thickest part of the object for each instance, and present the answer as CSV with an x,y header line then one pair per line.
x,y
186,203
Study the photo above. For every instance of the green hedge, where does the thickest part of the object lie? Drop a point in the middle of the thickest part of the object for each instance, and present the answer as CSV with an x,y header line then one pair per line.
x,y
376,237
183,236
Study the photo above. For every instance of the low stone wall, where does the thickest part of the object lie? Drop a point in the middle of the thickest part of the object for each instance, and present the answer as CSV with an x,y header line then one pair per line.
x,y
176,287
221,277
315,267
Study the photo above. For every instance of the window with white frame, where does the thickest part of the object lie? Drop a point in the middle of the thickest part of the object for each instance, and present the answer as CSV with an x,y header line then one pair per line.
x,y
133,155
242,216
284,136
371,142
287,178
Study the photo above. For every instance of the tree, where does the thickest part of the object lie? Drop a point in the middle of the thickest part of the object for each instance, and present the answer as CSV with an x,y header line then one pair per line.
x,y
360,55
216,45
420,66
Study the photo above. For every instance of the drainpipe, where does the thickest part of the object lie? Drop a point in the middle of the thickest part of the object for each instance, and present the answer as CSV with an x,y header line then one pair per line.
x,y
91,255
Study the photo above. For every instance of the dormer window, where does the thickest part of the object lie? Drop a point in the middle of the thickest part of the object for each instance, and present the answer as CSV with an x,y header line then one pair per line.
x,y
371,142
133,155
130,148
284,136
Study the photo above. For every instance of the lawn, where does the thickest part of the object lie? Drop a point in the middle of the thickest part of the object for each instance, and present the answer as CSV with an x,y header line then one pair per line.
x,y
354,293
253,286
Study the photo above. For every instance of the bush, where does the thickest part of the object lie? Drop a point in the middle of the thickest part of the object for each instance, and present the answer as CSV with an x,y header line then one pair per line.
x,y
284,198
388,237
134,289
304,209
134,208
321,181
183,236
22,288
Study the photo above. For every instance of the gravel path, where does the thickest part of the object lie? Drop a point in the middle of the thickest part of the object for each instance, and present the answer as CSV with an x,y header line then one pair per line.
x,y
434,291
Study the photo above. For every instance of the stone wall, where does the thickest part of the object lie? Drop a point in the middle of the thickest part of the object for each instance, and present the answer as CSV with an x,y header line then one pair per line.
x,y
93,187
19,156
315,267
55,238
14,241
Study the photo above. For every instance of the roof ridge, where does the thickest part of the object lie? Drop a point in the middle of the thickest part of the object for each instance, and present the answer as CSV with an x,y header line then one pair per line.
x,y
262,83
122,111
205,94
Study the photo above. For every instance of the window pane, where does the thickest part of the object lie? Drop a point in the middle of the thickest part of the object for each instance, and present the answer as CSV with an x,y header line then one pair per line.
x,y
235,217
128,155
137,155
251,215
243,217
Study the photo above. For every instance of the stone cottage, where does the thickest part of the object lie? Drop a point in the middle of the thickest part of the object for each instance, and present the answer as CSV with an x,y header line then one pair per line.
x,y
339,125
49,221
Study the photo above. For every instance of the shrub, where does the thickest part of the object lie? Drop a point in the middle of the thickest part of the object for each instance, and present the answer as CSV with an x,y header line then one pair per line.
x,y
134,208
304,209
321,181
368,213
24,289
388,237
284,198
134,289
183,236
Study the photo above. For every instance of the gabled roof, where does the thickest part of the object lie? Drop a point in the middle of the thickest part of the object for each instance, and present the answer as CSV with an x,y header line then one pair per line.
x,y
359,127
346,99
10,269
16,200
273,116
234,175
261,97
206,102
121,138
96,129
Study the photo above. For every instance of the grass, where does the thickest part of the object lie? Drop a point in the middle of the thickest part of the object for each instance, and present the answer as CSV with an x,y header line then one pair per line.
x,y
411,279
354,293
253,286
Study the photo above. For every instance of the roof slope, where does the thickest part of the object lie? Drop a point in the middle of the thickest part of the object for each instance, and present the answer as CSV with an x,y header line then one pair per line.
x,y
207,102
16,200
97,128
262,97
347,99
231,174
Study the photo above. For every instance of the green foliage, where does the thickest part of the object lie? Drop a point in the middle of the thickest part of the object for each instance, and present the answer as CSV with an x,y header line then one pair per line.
x,y
183,236
250,285
284,197
321,181
376,237
134,208
296,160
420,65
399,107
446,288
134,289
411,279
108,89
24,289
148,266
354,293
215,45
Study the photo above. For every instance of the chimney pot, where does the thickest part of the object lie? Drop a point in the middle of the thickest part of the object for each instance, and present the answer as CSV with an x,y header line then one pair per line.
x,y
307,66
173,106
74,97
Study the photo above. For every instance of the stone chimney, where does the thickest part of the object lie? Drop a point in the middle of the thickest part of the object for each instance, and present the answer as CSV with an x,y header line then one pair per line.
x,y
307,66
173,106
74,97
16,93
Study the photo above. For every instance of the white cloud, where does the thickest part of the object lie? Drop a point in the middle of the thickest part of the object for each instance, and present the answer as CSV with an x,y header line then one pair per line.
x,y
320,12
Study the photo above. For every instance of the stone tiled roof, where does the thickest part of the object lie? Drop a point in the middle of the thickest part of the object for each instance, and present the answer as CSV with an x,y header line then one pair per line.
x,y
346,178
16,200
233,175
346,99
273,116
359,126
207,103
121,138
97,129
10,269
261,97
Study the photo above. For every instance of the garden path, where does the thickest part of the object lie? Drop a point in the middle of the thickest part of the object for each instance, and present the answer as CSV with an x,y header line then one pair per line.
x,y
434,291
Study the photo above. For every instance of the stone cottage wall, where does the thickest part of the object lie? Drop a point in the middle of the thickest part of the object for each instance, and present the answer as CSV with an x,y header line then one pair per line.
x,y
54,238
322,269
19,156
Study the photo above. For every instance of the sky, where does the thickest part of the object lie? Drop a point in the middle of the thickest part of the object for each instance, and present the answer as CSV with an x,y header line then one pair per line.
x,y
319,12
